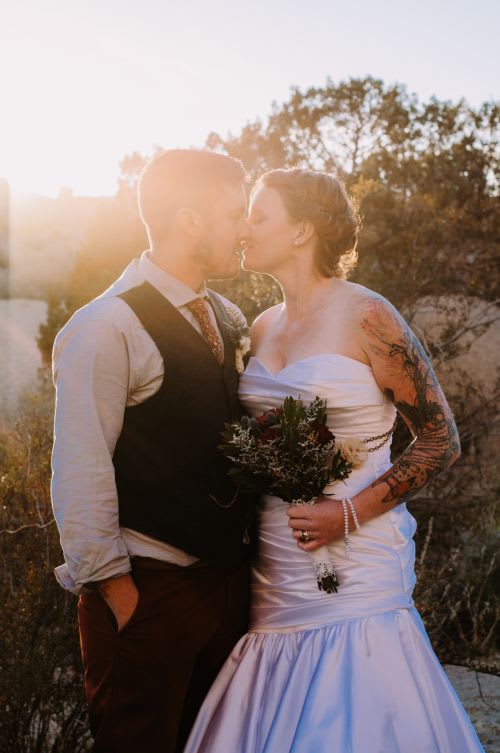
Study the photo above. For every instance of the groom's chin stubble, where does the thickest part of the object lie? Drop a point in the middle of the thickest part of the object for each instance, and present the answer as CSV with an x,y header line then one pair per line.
x,y
234,267
203,257
224,274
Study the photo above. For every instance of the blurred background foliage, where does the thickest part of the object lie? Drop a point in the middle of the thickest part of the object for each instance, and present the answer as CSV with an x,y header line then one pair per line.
x,y
427,177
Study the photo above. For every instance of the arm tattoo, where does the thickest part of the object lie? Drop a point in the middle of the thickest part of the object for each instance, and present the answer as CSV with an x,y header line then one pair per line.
x,y
436,445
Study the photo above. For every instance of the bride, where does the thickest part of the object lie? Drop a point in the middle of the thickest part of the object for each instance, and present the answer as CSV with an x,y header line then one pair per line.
x,y
351,672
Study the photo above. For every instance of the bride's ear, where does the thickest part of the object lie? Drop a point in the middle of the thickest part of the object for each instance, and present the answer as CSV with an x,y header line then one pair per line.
x,y
304,232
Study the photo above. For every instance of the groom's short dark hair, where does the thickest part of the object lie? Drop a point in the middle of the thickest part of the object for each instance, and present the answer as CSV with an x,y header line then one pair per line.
x,y
180,178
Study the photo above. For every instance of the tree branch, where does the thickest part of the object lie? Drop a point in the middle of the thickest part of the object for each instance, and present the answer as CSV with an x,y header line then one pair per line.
x,y
28,525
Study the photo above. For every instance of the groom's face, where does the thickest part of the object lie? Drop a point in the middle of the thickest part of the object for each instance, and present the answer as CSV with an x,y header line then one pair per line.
x,y
219,251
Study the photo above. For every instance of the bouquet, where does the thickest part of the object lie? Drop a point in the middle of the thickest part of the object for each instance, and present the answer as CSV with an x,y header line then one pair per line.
x,y
291,453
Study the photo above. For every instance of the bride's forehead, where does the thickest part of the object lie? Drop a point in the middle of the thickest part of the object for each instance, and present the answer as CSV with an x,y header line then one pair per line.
x,y
265,198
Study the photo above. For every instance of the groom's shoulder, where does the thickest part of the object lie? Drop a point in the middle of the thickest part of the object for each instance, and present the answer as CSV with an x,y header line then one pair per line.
x,y
107,307
96,320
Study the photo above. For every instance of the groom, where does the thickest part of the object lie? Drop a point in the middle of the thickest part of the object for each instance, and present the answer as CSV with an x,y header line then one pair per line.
x,y
156,540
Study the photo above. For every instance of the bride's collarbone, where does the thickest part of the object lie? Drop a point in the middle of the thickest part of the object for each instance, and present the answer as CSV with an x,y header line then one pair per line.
x,y
284,344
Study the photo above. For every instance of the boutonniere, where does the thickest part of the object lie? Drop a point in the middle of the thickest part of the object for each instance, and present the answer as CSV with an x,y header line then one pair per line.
x,y
240,352
239,334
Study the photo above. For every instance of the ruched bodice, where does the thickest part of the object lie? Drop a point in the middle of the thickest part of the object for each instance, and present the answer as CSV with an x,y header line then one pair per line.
x,y
379,574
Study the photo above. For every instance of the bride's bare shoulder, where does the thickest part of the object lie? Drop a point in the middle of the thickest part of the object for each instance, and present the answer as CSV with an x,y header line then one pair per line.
x,y
370,311
264,320
365,301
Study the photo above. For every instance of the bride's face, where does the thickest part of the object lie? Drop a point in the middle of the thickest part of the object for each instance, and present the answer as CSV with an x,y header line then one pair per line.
x,y
271,234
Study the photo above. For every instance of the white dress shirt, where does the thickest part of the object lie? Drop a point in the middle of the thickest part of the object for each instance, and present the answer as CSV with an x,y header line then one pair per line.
x,y
104,361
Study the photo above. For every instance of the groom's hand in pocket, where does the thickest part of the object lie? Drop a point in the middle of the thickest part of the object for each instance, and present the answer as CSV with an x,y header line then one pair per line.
x,y
121,596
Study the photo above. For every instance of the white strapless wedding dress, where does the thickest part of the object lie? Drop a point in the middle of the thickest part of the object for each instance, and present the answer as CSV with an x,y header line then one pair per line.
x,y
351,672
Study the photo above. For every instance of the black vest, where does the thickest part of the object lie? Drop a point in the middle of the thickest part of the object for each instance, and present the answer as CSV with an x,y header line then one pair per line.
x,y
171,479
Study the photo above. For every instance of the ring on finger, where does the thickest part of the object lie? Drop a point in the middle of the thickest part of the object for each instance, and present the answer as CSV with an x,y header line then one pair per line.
x,y
305,536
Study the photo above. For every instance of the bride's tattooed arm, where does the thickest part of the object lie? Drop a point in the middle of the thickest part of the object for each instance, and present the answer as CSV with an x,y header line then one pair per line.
x,y
404,373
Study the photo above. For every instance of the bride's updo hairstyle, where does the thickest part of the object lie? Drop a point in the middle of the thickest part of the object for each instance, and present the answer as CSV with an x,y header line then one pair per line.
x,y
322,200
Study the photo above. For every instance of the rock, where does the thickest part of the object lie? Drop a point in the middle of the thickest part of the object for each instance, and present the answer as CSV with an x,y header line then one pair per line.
x,y
20,319
471,358
484,712
462,336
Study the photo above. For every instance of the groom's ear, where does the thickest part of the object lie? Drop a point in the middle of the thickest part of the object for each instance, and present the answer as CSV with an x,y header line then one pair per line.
x,y
190,222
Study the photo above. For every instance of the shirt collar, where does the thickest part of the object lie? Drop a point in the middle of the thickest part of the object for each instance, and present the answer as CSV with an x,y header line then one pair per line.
x,y
176,292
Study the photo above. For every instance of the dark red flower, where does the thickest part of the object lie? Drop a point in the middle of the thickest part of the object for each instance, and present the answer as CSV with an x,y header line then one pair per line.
x,y
261,420
268,418
323,433
271,432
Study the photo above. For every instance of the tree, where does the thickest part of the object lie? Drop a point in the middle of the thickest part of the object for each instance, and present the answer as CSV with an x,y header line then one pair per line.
x,y
426,176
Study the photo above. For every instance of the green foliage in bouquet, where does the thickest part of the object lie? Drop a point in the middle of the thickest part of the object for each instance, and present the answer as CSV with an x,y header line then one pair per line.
x,y
287,451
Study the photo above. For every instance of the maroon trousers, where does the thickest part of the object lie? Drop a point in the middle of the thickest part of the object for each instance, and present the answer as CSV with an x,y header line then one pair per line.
x,y
146,682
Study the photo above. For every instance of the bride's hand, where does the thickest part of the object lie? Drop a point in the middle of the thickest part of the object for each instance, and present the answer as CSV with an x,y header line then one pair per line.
x,y
323,521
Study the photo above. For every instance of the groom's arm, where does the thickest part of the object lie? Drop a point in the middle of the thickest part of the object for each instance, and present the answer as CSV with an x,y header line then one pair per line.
x,y
91,371
91,376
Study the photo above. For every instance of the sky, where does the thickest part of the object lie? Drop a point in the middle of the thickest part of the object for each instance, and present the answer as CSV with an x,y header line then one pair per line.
x,y
83,83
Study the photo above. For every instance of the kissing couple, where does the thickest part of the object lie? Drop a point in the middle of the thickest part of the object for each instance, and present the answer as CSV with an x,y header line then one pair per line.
x,y
201,630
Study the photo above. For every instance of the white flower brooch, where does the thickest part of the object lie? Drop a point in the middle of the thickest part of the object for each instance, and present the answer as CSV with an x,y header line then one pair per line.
x,y
239,334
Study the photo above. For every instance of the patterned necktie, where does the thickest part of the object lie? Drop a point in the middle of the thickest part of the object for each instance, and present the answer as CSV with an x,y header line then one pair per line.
x,y
199,310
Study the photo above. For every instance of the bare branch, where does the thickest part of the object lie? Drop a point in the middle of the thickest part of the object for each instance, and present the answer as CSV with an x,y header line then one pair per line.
x,y
29,525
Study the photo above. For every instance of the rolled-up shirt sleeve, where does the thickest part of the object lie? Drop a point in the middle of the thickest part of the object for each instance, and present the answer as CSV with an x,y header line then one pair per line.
x,y
91,372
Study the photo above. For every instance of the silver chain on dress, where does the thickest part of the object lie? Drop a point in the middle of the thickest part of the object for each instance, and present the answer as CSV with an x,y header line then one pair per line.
x,y
385,437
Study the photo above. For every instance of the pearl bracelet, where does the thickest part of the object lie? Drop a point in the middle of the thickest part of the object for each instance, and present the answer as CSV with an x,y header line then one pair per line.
x,y
346,526
354,515
345,502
